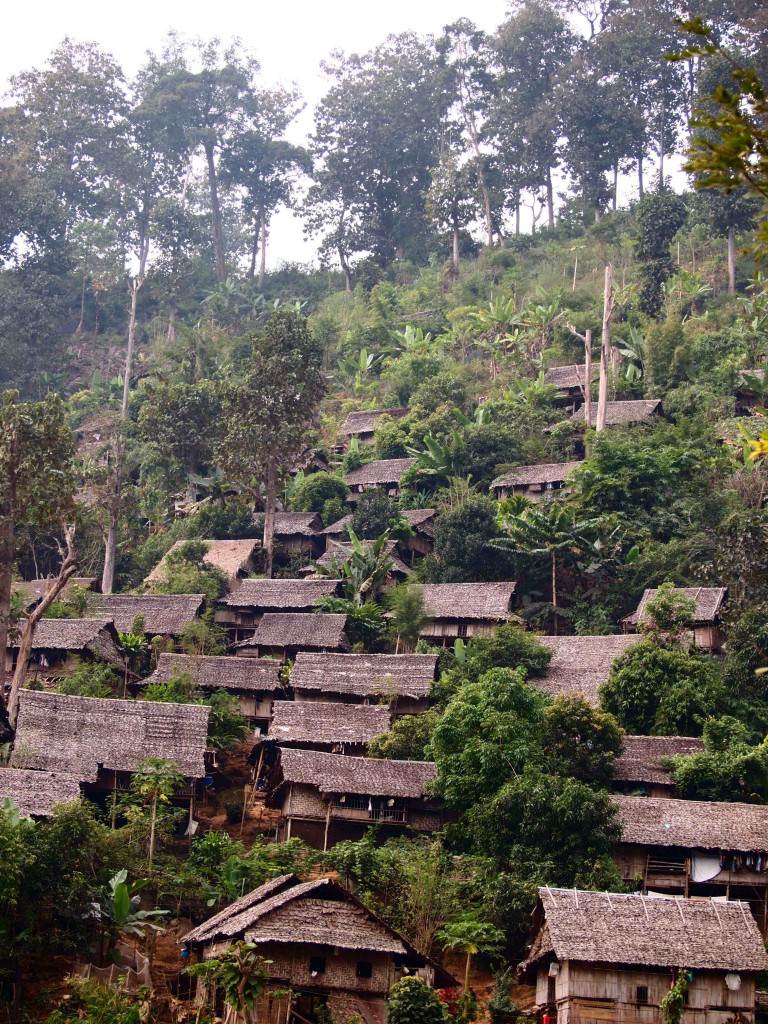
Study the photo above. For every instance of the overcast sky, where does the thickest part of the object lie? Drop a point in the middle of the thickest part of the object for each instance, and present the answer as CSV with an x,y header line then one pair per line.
x,y
290,38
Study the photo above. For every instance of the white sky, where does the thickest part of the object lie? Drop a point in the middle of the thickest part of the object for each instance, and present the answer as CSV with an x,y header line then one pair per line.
x,y
290,39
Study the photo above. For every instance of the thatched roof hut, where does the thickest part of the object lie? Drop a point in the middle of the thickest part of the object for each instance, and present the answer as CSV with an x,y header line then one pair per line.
x,y
623,413
80,735
362,422
534,478
640,761
365,675
421,521
708,601
649,931
280,595
580,663
571,377
95,637
163,614
298,631
297,524
237,675
335,773
379,473
468,600
327,724
341,551
37,793
233,558
693,824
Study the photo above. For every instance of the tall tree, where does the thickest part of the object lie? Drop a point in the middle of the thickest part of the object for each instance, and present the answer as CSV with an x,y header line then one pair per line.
x,y
36,486
451,201
268,411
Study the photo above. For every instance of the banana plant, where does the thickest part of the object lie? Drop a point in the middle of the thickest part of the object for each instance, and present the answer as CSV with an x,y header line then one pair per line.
x,y
633,353
440,460
363,569
414,341
120,913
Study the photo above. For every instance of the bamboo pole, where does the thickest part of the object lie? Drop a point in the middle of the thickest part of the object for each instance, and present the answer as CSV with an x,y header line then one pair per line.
x,y
605,348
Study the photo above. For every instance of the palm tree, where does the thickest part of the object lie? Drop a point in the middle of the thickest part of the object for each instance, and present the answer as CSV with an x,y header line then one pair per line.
x,y
471,937
548,531
155,781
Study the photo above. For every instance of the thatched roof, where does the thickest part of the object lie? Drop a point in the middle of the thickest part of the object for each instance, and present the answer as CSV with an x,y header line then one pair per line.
x,y
231,557
580,663
708,601
280,594
35,590
93,636
213,673
381,471
421,520
292,524
365,675
37,793
320,912
468,600
327,722
164,614
641,756
77,735
546,473
649,931
300,629
364,421
337,773
571,376
341,552
741,383
693,824
617,413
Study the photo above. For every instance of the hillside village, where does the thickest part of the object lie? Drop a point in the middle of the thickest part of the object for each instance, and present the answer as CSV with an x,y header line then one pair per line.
x,y
384,641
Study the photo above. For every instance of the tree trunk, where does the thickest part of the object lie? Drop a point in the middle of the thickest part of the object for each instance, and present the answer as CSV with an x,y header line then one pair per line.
x,y
517,214
152,825
345,269
615,199
269,519
554,592
455,259
588,376
575,271
467,971
263,242
550,200
79,328
486,209
731,260
6,586
66,571
640,183
171,335
218,232
254,253
605,348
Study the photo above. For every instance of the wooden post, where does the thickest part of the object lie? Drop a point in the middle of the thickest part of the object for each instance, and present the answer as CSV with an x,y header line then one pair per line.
x,y
588,375
327,826
605,348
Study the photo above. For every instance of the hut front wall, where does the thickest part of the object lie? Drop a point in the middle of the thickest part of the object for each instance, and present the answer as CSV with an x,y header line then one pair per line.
x,y
291,964
588,993
450,629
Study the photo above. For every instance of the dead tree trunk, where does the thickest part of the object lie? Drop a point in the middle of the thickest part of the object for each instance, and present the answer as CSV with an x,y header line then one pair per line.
x,y
66,571
269,518
605,348
263,243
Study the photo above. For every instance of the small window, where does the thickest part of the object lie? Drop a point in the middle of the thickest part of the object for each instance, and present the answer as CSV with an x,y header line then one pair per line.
x,y
642,995
316,965
364,969
462,629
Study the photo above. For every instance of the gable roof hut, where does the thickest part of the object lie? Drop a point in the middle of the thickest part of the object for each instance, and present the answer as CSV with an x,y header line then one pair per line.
x,y
296,531
384,473
233,558
319,725
341,550
364,675
571,377
37,793
623,413
55,639
362,423
254,681
708,603
290,632
322,915
533,481
327,797
81,735
421,521
465,609
241,611
693,824
163,614
640,767
580,663
648,931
